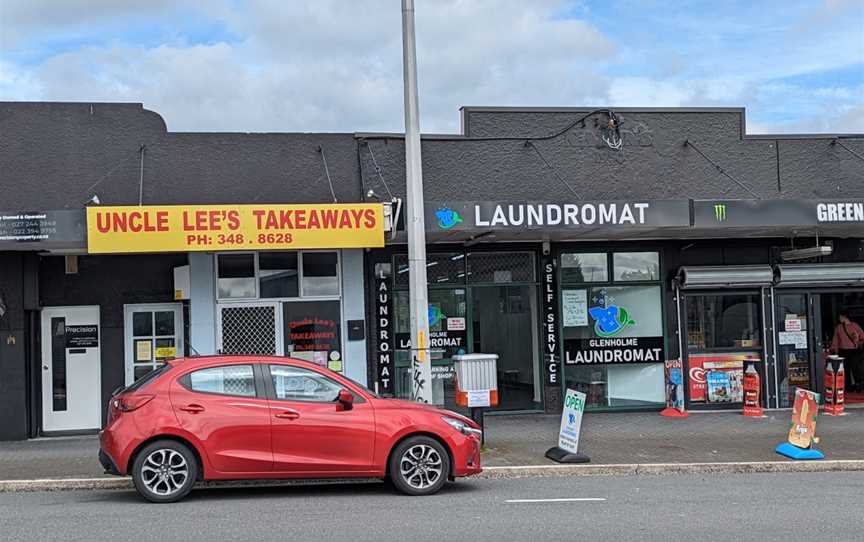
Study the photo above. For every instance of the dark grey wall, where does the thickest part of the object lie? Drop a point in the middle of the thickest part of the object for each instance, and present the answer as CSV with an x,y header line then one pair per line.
x,y
110,282
52,153
14,347
653,164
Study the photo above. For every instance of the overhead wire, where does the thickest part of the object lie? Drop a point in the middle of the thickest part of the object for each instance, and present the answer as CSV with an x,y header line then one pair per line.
x,y
836,141
722,171
327,173
378,170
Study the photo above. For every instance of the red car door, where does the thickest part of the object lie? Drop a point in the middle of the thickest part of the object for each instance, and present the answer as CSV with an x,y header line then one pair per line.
x,y
223,409
311,434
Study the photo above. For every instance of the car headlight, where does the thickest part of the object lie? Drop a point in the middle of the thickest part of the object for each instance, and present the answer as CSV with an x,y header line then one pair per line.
x,y
461,426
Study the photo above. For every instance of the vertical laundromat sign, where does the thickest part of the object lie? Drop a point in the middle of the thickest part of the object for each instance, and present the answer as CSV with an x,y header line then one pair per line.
x,y
384,357
550,322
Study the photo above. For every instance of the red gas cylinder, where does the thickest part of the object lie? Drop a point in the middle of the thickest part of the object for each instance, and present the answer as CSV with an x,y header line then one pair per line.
x,y
752,385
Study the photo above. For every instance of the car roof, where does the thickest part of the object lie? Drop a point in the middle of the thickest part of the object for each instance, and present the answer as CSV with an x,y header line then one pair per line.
x,y
194,362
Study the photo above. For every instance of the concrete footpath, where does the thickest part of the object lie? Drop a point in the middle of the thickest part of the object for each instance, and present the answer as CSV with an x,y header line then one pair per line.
x,y
617,443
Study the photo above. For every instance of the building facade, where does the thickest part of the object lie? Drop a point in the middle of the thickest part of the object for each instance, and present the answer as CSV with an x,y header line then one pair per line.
x,y
587,248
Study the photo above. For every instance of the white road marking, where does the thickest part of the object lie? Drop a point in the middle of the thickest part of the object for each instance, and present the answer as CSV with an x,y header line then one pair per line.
x,y
578,499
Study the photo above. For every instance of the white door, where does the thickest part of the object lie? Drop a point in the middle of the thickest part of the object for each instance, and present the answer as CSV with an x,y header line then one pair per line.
x,y
71,369
154,333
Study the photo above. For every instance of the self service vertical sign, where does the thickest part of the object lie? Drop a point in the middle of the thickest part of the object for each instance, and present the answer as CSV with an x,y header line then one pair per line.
x,y
571,421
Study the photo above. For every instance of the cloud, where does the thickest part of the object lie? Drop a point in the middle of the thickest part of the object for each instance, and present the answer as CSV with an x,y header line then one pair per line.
x,y
335,65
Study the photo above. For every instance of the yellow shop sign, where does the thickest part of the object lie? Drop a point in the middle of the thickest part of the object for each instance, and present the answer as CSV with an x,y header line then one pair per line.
x,y
182,228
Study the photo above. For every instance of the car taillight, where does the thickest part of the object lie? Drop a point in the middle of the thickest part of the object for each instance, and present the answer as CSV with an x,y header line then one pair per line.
x,y
128,403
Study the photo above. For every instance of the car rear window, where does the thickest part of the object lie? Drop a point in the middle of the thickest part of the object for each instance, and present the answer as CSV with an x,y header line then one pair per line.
x,y
149,377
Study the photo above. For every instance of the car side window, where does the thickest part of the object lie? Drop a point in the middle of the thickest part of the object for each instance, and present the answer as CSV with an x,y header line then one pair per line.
x,y
297,384
236,380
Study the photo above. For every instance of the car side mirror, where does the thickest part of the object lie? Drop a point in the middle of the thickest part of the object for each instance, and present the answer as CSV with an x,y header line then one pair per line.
x,y
345,400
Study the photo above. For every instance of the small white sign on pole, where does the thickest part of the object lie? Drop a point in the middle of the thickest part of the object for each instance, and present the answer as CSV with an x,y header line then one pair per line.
x,y
478,398
571,421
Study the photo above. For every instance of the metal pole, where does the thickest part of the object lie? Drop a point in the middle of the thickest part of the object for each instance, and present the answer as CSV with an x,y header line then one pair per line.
x,y
421,365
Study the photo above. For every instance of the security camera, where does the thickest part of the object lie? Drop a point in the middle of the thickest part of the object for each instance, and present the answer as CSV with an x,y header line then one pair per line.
x,y
546,248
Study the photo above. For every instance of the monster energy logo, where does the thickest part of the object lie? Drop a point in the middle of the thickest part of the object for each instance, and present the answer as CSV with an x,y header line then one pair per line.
x,y
720,212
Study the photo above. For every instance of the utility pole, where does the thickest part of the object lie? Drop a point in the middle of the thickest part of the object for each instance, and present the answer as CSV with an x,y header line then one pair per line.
x,y
415,224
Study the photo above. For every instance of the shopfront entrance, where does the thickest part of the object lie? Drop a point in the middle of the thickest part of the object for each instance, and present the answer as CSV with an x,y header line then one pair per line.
x,y
71,369
478,302
807,333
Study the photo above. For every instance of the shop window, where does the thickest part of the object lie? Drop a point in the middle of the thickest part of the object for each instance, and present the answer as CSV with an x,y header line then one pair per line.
x,y
278,274
500,267
584,267
320,273
236,275
313,332
442,269
613,340
723,322
636,266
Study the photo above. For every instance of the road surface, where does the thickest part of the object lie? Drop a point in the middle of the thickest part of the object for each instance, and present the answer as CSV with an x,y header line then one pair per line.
x,y
799,506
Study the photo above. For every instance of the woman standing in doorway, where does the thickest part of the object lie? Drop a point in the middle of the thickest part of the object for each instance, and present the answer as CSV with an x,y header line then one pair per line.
x,y
847,343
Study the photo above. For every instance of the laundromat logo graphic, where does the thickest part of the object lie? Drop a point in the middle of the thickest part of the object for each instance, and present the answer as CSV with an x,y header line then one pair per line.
x,y
435,315
609,319
720,212
447,218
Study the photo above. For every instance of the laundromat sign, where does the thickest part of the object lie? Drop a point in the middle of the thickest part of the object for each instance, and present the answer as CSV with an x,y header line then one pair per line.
x,y
181,228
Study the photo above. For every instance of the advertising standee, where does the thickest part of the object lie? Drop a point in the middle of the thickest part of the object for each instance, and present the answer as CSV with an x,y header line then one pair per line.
x,y
802,433
674,389
567,450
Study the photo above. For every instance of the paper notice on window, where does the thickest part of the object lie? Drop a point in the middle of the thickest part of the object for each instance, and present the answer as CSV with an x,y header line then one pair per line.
x,y
143,350
575,307
796,338
793,324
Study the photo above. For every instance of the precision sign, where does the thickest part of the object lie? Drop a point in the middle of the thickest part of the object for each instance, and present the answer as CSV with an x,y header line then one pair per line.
x,y
191,228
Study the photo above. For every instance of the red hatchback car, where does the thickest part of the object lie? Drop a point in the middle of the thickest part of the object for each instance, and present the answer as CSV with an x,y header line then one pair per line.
x,y
254,417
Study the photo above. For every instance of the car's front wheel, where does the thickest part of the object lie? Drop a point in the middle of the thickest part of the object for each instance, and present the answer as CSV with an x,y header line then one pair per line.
x,y
164,471
419,466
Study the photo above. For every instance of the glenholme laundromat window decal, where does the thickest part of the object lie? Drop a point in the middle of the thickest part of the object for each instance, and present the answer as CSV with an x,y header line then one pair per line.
x,y
615,335
612,327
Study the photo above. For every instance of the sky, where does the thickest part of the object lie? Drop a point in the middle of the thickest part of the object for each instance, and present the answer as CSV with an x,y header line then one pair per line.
x,y
336,65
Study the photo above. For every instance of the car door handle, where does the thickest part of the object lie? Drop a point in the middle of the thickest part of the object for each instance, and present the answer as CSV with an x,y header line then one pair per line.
x,y
288,414
193,408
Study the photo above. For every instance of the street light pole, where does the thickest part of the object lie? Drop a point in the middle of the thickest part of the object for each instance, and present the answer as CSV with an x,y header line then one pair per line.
x,y
415,225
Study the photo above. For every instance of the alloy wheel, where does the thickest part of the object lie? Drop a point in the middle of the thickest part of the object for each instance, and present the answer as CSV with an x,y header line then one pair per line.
x,y
164,472
421,466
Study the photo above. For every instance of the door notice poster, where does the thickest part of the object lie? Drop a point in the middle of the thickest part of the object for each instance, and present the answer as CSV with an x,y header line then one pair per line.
x,y
571,421
575,307
796,338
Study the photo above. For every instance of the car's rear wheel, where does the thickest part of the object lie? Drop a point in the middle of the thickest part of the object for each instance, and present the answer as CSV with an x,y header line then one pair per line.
x,y
419,466
164,471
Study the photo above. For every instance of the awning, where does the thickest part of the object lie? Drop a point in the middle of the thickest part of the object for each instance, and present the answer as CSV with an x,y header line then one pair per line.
x,y
822,274
725,276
